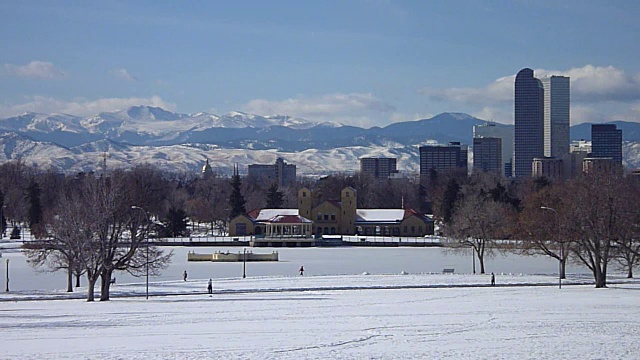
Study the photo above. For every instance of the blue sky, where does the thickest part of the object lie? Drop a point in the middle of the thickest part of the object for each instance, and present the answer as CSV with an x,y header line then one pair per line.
x,y
361,62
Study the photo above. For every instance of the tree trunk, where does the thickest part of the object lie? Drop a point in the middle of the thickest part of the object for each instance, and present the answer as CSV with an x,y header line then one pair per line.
x,y
601,278
563,268
91,288
69,279
77,280
481,261
630,272
105,279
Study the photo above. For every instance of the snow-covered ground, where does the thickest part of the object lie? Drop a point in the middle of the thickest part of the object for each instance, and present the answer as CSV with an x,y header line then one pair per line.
x,y
317,261
426,316
352,303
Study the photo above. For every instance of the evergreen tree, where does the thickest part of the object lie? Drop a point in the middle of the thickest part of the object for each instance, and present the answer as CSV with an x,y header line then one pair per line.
x,y
236,200
35,210
449,201
275,198
176,223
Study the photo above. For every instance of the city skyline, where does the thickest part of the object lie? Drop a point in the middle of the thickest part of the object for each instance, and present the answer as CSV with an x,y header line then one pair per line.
x,y
363,63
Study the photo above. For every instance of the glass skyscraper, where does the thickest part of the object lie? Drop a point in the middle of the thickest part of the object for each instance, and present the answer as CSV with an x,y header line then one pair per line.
x,y
529,122
606,142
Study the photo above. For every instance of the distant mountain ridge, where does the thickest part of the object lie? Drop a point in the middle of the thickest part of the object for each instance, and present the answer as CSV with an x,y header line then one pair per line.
x,y
152,126
143,134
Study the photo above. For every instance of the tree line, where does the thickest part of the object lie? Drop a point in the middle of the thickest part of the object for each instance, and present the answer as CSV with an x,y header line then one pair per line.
x,y
592,220
92,224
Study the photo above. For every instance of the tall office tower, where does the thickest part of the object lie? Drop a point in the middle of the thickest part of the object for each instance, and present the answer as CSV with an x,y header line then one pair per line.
x,y
443,157
379,168
281,173
487,154
556,115
529,122
606,141
505,133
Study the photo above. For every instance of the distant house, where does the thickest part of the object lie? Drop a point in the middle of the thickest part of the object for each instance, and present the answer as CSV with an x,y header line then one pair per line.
x,y
393,222
331,217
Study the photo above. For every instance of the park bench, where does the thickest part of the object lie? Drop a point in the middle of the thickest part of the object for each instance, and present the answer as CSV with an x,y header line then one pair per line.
x,y
448,271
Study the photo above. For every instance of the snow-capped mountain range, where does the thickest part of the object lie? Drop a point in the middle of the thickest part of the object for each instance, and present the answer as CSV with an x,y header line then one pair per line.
x,y
183,142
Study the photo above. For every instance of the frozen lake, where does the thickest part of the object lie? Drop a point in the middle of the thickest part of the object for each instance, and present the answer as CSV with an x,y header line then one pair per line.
x,y
316,261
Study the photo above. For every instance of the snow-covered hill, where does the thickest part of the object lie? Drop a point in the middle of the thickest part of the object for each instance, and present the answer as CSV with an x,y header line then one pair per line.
x,y
182,142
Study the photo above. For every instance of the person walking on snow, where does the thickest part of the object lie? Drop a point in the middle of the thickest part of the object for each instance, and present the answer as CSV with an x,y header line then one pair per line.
x,y
184,275
210,287
301,270
493,279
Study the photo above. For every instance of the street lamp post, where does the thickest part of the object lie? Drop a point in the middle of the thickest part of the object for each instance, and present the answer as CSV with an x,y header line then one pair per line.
x,y
561,256
147,242
7,289
473,259
244,263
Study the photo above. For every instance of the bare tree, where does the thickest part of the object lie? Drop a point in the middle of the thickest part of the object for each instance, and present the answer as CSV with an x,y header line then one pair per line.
x,y
119,236
544,225
627,254
478,223
596,218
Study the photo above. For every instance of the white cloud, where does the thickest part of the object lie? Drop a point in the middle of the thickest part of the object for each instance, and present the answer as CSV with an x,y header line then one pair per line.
x,y
588,84
352,109
123,74
81,107
600,83
499,91
35,69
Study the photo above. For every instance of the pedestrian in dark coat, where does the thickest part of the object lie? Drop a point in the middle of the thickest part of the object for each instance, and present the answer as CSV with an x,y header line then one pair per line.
x,y
493,279
184,275
210,287
301,270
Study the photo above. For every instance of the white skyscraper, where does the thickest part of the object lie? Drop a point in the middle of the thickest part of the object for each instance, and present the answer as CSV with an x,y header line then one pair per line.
x,y
556,115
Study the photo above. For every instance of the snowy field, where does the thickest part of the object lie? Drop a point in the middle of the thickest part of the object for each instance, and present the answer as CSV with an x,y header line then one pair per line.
x,y
352,303
428,316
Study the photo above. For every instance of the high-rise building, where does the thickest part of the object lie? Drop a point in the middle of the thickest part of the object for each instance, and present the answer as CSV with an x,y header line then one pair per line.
x,y
379,168
529,122
556,115
443,157
281,173
505,133
606,142
487,154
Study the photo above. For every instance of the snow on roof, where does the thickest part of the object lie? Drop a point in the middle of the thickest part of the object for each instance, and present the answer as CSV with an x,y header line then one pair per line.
x,y
266,214
380,215
289,219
